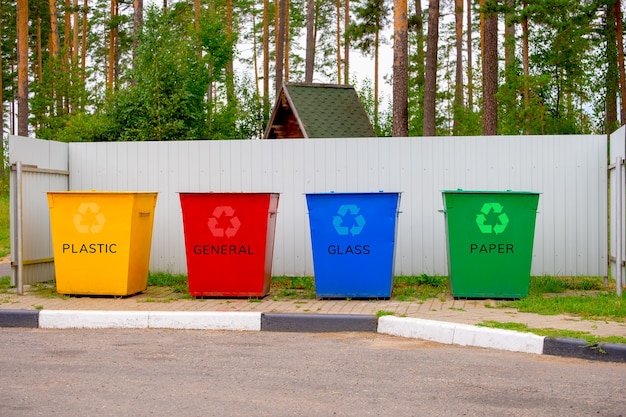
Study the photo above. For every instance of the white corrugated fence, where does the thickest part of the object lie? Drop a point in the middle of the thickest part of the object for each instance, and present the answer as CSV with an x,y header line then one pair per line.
x,y
570,172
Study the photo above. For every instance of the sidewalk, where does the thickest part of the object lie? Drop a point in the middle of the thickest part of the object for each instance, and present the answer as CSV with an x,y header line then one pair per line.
x,y
452,310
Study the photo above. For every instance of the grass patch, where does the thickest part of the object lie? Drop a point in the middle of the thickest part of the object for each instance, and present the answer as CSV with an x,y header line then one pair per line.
x,y
290,288
420,287
381,313
557,285
46,290
519,327
601,305
176,282
5,284
584,297
5,235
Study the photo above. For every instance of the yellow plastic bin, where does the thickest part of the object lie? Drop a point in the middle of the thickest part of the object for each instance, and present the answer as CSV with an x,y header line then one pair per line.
x,y
101,241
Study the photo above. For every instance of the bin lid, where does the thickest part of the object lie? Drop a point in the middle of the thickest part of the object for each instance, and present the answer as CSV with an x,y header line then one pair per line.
x,y
461,191
354,192
100,192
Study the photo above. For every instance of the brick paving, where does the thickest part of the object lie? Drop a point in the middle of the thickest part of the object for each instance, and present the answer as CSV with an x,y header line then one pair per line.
x,y
448,309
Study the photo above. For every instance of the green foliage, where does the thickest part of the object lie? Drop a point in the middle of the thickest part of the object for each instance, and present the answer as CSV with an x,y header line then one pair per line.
x,y
166,101
365,91
83,127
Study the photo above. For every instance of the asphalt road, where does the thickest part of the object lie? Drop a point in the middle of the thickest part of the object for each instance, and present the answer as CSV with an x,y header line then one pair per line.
x,y
206,373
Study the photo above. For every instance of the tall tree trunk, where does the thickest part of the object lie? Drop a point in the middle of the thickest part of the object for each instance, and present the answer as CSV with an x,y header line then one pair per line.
x,y
39,51
612,78
310,42
346,42
458,87
22,67
470,72
55,43
509,37
338,39
1,86
75,32
526,69
280,47
266,60
420,53
286,52
376,64
83,64
138,23
112,43
620,61
67,29
400,126
255,52
490,74
230,72
430,76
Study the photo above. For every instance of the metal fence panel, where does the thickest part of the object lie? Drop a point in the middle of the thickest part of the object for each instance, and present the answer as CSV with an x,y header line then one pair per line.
x,y
617,216
569,171
44,168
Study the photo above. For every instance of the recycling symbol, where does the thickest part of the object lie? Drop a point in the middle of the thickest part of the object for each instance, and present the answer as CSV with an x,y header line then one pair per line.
x,y
481,219
227,212
89,210
338,221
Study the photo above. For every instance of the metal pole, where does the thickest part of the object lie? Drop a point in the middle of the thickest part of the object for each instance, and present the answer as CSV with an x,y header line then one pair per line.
x,y
19,228
618,226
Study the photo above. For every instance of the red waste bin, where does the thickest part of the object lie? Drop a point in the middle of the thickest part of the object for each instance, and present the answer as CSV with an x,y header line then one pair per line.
x,y
229,242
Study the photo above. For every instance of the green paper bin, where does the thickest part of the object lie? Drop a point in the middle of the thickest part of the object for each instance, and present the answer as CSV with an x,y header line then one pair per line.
x,y
490,242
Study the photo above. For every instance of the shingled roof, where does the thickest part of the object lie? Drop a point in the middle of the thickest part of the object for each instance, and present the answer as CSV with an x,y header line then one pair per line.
x,y
318,111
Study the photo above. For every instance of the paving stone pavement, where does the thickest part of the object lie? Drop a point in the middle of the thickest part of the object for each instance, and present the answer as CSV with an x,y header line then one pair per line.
x,y
459,311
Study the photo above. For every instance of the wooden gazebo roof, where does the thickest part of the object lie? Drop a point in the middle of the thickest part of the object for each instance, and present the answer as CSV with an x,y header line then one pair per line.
x,y
318,111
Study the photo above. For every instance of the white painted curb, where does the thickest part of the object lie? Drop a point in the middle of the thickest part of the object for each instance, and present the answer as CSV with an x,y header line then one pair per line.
x,y
435,331
86,319
461,334
200,320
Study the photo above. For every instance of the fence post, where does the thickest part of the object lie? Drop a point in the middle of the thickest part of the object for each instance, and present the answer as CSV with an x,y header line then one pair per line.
x,y
19,229
619,162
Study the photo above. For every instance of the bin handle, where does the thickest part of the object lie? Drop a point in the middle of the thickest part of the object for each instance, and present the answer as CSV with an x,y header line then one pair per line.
x,y
144,213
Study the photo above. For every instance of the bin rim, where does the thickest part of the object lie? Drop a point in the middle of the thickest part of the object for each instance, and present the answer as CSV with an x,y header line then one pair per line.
x,y
227,192
353,192
100,192
461,191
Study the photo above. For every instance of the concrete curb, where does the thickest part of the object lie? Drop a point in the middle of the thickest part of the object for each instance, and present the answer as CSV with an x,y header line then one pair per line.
x,y
436,331
315,323
19,318
461,334
578,348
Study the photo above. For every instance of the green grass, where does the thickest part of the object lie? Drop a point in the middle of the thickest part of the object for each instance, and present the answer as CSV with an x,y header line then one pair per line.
x,y
420,287
5,236
519,327
548,284
602,305
5,284
176,282
585,297
291,288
